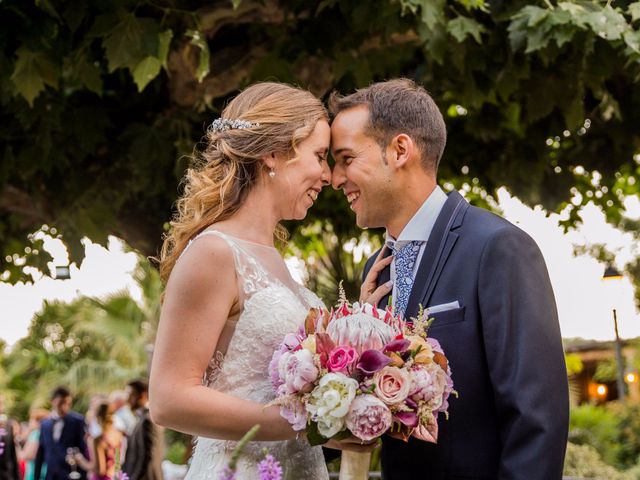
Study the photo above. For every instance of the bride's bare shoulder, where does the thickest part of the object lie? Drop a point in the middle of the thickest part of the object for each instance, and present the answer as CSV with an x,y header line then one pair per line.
x,y
206,263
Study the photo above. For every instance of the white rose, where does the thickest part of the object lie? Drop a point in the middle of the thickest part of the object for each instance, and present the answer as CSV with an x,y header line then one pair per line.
x,y
329,402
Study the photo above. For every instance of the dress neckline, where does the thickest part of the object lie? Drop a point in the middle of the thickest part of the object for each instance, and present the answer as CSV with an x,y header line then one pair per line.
x,y
297,293
270,247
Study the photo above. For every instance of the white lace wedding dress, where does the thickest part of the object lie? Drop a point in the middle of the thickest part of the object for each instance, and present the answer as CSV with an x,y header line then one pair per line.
x,y
273,304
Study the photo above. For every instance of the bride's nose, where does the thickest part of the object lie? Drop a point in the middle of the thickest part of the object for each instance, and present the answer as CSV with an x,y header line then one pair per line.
x,y
326,174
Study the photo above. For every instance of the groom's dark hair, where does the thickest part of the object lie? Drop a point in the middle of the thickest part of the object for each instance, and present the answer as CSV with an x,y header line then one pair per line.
x,y
399,106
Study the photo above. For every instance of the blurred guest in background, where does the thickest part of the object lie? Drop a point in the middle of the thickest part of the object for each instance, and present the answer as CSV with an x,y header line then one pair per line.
x,y
9,469
63,432
32,441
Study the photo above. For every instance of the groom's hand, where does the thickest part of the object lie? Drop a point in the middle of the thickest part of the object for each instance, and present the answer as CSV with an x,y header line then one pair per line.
x,y
370,292
352,444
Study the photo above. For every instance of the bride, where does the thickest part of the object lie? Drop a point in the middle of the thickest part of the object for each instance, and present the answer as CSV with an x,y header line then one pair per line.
x,y
229,298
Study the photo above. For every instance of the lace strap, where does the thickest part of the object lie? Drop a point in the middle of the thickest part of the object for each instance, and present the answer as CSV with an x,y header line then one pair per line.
x,y
251,275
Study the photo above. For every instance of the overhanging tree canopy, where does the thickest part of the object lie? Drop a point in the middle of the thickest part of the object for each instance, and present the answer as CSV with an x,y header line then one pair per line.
x,y
102,101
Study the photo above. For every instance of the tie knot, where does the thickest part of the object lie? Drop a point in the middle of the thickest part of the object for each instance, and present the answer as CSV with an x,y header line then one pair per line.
x,y
408,249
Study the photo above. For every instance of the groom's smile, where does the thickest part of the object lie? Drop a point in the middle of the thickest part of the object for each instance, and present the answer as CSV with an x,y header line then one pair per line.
x,y
359,169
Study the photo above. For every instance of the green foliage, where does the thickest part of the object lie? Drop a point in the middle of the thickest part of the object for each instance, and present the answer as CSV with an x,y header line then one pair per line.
x,y
628,435
331,259
176,453
574,363
92,345
597,427
612,430
584,461
101,101
606,371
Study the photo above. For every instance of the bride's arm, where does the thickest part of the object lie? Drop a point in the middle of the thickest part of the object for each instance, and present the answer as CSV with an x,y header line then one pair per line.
x,y
200,294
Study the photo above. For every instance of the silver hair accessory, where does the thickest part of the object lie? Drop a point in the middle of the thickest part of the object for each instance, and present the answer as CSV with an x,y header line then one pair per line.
x,y
224,124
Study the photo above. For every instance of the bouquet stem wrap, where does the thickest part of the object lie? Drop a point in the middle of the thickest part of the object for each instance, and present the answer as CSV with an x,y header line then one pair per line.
x,y
354,465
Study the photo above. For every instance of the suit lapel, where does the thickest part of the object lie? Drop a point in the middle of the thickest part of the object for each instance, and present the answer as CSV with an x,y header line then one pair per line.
x,y
439,246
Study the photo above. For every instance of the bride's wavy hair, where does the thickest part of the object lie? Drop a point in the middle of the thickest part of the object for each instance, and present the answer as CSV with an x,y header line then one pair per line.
x,y
230,165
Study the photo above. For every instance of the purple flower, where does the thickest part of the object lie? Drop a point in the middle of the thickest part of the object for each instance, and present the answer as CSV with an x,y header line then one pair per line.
x,y
269,469
410,419
399,345
227,474
371,361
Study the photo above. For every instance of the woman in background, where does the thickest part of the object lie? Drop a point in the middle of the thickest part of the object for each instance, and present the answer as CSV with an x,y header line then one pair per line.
x,y
30,449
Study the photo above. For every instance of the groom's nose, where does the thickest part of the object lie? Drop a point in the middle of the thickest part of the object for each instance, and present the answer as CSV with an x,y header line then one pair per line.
x,y
338,177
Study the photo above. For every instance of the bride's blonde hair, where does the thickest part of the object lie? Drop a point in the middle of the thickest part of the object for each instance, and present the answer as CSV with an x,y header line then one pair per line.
x,y
223,174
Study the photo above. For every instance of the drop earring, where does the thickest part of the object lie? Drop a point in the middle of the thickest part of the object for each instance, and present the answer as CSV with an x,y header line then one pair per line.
x,y
272,173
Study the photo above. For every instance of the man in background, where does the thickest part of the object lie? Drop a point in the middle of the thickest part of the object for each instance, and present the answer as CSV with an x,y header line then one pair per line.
x,y
64,430
145,449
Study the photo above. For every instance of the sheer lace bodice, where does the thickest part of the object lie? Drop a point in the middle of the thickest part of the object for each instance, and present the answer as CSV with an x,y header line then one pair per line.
x,y
272,305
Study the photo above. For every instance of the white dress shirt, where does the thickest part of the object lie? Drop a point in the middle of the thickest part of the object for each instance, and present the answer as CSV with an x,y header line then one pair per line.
x,y
58,425
418,229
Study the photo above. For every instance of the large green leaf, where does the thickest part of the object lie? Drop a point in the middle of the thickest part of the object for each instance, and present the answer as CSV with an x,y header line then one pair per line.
x,y
608,23
122,44
33,70
146,71
461,27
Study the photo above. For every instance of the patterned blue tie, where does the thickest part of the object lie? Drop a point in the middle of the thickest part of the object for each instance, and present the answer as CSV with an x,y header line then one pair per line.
x,y
405,259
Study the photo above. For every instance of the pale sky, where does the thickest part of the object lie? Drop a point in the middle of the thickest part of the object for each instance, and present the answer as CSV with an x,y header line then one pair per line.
x,y
584,302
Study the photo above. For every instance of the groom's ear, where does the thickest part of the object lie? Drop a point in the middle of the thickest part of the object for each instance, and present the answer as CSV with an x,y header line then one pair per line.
x,y
400,150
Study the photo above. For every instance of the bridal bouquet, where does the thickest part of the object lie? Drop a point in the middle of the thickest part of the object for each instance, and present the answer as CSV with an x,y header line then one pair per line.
x,y
358,370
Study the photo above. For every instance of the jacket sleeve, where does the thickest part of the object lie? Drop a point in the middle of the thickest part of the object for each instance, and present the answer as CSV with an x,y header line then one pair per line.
x,y
525,357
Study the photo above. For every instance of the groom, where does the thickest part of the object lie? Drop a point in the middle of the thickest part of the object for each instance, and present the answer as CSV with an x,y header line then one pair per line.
x,y
485,283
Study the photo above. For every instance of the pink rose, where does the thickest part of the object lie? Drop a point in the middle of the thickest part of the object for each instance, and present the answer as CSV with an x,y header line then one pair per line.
x,y
297,371
392,384
342,359
368,417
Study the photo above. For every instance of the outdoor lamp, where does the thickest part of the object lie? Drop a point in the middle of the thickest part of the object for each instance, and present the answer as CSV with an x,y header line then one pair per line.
x,y
613,277
631,377
62,272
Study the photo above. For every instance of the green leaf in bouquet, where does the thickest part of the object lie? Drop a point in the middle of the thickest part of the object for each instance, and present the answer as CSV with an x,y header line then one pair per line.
x,y
343,435
313,435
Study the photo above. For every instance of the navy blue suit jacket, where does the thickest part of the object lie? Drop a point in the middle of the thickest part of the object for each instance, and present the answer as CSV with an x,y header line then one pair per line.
x,y
505,351
53,453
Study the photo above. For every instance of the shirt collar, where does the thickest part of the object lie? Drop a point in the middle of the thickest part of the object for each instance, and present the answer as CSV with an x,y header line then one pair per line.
x,y
420,226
